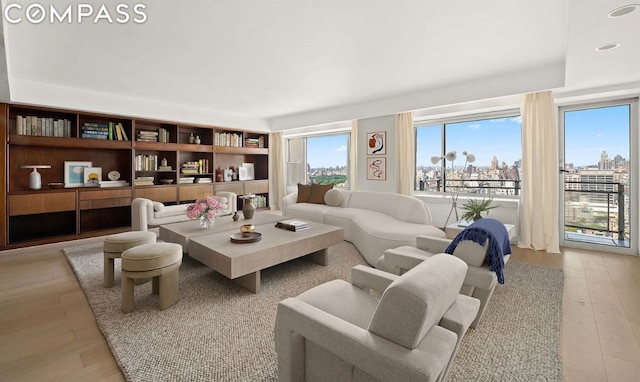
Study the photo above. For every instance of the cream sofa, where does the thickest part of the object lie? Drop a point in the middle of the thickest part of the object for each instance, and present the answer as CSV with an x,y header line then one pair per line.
x,y
146,213
372,221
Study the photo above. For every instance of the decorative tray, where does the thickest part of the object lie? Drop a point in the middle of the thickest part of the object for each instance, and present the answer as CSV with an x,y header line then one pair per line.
x,y
238,238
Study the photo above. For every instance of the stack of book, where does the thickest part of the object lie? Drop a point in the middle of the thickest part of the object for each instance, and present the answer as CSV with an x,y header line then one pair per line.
x,y
143,181
204,180
186,179
254,142
114,183
292,225
95,130
147,136
190,168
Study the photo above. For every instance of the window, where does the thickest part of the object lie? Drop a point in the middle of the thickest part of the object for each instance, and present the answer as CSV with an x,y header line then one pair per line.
x,y
321,159
493,139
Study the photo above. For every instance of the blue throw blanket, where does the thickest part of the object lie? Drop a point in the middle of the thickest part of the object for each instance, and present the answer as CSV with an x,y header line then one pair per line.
x,y
479,232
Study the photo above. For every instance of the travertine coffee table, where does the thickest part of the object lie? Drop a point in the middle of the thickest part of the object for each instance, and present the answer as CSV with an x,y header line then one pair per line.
x,y
243,262
181,232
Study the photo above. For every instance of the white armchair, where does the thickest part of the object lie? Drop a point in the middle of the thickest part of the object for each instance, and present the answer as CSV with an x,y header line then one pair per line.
x,y
479,282
146,213
339,331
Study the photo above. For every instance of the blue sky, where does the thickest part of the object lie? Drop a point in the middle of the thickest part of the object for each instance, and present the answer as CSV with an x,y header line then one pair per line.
x,y
327,151
588,133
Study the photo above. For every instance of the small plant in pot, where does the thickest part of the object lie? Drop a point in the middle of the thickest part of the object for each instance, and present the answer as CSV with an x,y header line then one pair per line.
x,y
473,208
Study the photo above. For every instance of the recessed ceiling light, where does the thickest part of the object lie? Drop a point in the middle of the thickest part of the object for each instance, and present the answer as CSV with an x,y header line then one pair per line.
x,y
619,12
609,46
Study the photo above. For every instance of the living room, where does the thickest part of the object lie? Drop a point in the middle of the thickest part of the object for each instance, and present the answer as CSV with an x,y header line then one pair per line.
x,y
300,70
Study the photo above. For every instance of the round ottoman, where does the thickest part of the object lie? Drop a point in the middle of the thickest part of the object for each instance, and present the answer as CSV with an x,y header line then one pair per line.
x,y
114,245
160,261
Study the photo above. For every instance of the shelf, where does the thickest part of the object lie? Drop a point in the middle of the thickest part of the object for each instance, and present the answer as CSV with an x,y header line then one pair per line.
x,y
155,146
28,140
240,150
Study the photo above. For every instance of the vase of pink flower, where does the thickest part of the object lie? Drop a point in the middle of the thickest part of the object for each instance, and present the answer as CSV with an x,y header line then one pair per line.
x,y
205,210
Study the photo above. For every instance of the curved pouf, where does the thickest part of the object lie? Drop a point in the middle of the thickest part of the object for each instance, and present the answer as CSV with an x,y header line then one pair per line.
x,y
114,245
160,261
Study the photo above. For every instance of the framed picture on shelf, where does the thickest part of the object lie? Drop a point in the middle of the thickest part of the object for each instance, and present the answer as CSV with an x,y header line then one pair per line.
x,y
376,168
74,173
377,143
92,176
246,172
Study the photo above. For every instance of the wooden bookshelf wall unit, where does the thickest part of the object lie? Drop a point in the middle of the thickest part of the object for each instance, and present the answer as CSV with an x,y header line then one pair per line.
x,y
167,162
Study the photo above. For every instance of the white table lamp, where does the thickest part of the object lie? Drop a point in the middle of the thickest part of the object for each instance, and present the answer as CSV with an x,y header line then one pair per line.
x,y
35,180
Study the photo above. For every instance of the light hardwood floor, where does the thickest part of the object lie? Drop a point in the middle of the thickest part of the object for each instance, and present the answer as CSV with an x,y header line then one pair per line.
x,y
49,333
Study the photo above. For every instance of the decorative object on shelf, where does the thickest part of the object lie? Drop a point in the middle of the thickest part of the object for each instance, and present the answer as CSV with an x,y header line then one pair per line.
x,y
451,157
377,143
246,171
235,216
474,207
166,181
113,175
191,138
205,210
228,174
163,162
248,208
197,140
35,180
55,185
247,229
74,173
92,176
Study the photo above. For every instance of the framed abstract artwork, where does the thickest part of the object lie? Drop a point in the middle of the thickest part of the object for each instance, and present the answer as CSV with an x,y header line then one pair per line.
x,y
377,143
376,168
74,173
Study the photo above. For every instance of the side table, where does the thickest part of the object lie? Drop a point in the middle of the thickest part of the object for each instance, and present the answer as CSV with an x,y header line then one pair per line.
x,y
455,228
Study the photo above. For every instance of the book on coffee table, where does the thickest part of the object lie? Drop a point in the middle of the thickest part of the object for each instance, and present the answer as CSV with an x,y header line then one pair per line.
x,y
292,225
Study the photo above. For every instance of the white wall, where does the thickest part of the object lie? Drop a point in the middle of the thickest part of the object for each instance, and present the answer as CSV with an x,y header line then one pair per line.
x,y
370,125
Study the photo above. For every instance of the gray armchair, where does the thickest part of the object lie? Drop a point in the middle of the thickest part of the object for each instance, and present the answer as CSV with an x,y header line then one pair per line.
x,y
479,282
339,331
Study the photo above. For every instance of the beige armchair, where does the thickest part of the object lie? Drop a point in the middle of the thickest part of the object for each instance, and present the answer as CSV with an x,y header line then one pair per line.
x,y
146,213
339,331
479,282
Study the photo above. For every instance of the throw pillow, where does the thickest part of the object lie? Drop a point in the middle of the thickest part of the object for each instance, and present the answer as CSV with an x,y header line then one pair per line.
x,y
318,191
304,193
333,198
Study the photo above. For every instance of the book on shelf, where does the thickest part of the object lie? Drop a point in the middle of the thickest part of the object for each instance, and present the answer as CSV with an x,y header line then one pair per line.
x,y
186,179
293,225
42,126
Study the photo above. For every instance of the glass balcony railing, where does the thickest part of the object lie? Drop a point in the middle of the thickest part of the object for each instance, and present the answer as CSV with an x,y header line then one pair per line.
x,y
596,209
472,186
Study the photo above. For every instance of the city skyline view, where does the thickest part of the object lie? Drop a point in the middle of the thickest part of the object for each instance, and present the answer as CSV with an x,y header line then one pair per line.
x,y
588,133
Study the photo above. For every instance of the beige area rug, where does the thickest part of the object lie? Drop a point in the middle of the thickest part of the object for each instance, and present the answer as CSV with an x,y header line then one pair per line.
x,y
219,331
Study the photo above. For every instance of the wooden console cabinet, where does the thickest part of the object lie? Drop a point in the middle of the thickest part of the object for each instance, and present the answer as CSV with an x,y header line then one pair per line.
x,y
194,158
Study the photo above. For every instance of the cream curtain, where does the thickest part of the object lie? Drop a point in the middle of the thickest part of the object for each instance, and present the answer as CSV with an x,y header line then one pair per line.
x,y
405,158
277,176
353,156
539,200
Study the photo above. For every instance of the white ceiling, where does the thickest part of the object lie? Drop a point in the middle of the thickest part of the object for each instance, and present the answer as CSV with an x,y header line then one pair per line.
x,y
288,63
